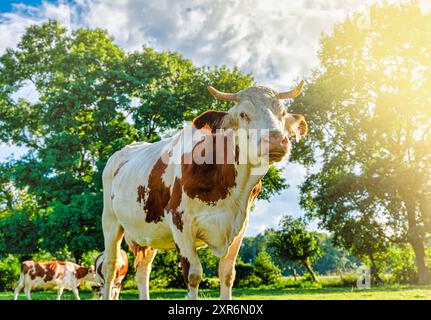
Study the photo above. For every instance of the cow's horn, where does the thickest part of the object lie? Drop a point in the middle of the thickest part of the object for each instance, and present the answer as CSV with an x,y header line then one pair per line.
x,y
293,93
221,95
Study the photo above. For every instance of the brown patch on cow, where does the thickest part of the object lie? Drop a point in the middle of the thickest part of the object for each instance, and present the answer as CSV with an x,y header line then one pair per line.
x,y
122,269
61,272
185,266
209,120
50,269
177,219
255,192
26,266
37,271
138,251
209,182
81,272
158,194
141,194
174,203
119,167
134,247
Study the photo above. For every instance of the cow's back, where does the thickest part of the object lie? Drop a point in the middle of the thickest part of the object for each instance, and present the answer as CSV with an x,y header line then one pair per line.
x,y
44,274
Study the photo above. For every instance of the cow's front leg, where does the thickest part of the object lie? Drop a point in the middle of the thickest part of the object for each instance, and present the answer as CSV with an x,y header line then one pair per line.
x,y
76,293
143,260
226,269
191,266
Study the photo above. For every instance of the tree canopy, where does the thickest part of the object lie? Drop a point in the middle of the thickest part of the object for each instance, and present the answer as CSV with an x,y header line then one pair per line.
x,y
369,110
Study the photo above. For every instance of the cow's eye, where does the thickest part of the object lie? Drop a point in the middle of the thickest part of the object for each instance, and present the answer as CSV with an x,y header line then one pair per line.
x,y
244,116
284,113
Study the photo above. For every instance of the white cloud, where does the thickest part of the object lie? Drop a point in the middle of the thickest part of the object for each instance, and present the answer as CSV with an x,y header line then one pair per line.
x,y
275,40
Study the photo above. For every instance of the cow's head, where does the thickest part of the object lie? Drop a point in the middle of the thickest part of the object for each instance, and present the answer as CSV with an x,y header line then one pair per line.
x,y
259,111
91,274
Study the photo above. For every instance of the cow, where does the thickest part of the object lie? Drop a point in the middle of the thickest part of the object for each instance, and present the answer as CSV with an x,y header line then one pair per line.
x,y
197,187
62,274
123,266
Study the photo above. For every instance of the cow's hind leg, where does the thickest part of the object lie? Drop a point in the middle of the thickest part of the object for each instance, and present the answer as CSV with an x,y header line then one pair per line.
x,y
60,289
19,287
143,260
76,293
113,234
27,290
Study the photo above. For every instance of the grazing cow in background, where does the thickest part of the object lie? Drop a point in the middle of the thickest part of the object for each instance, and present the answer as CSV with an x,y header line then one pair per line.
x,y
196,188
123,266
55,273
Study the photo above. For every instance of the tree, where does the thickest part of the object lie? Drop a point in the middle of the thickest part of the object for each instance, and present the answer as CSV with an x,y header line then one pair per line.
x,y
368,108
251,246
292,242
266,268
332,258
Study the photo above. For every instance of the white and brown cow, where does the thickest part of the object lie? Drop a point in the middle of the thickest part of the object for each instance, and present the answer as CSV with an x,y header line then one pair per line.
x,y
121,272
54,273
196,188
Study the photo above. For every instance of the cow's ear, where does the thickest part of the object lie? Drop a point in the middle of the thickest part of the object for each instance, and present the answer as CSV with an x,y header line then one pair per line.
x,y
213,120
296,125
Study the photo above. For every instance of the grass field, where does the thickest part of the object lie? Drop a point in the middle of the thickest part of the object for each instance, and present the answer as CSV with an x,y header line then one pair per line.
x,y
379,293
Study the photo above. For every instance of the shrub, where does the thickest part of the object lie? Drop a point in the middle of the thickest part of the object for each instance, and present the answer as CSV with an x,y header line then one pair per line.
x,y
266,269
89,257
246,275
10,268
166,270
209,283
209,262
401,260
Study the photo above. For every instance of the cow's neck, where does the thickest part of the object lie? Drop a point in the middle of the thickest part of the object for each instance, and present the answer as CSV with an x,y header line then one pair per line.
x,y
246,179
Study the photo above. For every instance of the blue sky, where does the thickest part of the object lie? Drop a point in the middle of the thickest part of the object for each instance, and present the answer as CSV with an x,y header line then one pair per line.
x,y
276,40
6,6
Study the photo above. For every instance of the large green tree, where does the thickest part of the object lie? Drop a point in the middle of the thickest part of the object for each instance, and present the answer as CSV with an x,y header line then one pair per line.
x,y
92,98
369,110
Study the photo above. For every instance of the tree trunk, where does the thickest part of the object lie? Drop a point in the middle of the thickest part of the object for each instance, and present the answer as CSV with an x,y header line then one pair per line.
x,y
307,265
417,242
419,249
77,257
340,274
374,272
